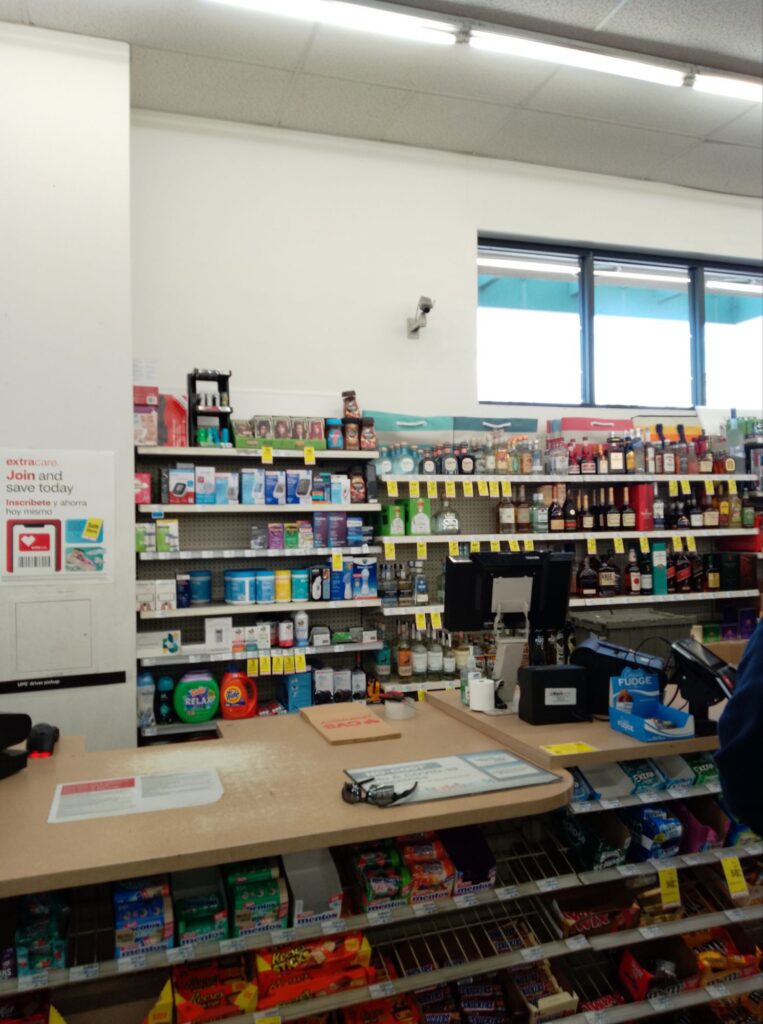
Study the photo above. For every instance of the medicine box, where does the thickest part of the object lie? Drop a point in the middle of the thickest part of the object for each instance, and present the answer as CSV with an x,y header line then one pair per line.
x,y
142,488
145,537
181,486
299,487
205,485
168,535
166,595
173,421
218,633
252,486
226,488
145,596
145,424
275,487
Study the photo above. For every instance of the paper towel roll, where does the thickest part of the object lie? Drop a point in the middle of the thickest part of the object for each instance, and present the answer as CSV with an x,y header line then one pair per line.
x,y
481,694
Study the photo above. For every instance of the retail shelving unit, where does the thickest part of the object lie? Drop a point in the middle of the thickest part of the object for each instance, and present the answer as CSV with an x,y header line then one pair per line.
x,y
217,453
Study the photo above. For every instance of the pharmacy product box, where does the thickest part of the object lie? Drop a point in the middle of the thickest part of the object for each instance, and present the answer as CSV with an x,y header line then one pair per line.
x,y
181,483
392,520
145,595
364,578
298,691
145,394
252,486
339,489
275,487
218,634
173,421
142,488
145,425
168,535
299,487
226,488
597,840
639,980
205,485
166,595
337,529
145,537
650,721
418,517
158,642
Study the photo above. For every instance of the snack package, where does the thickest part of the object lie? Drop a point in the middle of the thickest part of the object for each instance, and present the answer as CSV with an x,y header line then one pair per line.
x,y
297,985
644,775
351,949
656,832
396,1010
250,871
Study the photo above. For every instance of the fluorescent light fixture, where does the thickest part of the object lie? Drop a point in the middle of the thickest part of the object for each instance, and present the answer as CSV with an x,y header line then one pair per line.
x,y
734,286
487,263
737,88
353,16
590,60
636,276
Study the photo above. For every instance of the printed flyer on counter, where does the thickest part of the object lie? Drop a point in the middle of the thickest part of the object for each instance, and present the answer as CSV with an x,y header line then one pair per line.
x,y
57,514
135,794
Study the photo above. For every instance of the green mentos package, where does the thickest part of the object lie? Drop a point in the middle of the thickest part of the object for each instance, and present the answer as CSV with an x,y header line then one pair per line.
x,y
703,768
246,872
261,897
204,929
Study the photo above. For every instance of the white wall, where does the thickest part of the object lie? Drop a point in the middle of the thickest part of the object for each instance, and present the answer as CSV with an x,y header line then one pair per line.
x,y
65,324
294,259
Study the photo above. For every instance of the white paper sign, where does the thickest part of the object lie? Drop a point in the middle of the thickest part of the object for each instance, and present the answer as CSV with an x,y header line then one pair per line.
x,y
134,794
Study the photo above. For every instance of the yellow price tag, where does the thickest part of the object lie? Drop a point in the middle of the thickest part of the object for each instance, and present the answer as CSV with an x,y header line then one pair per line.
x,y
495,489
495,545
468,486
735,879
673,488
288,664
619,546
591,545
270,1019
93,528
436,619
309,455
644,545
670,894
421,549
277,665
265,664
691,544
709,488
506,488
482,488
252,666
421,694
389,550
453,548
300,663
474,547
529,545
732,486
267,455
421,620
413,488
513,544
431,488
392,488
450,488
677,544
337,562
560,749
685,487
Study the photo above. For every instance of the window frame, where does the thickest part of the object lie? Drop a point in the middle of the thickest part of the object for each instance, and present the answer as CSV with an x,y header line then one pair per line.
x,y
587,254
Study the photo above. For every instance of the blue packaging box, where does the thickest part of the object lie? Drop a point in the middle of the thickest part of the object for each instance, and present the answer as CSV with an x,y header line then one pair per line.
x,y
298,690
252,486
275,487
649,721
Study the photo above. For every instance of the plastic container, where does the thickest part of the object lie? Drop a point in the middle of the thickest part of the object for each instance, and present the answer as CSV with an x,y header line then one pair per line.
x,y
164,710
264,586
201,587
334,436
196,697
145,704
300,584
239,586
301,628
238,695
314,882
286,633
283,586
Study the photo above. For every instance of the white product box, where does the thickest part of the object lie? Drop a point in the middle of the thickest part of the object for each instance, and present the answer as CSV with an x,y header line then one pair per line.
x,y
205,485
370,636
218,633
145,596
168,535
323,679
258,634
275,487
156,643
145,537
166,595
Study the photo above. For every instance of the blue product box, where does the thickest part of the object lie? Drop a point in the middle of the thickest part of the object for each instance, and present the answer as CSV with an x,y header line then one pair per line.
x,y
145,888
275,487
354,530
632,682
252,486
341,582
142,915
298,690
299,485
650,721
364,578
656,832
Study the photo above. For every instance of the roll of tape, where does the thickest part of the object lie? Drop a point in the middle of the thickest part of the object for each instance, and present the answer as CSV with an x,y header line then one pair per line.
x,y
481,694
395,710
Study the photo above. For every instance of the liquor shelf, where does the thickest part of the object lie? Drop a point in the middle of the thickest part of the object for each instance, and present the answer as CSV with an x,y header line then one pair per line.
x,y
709,595
571,478
560,536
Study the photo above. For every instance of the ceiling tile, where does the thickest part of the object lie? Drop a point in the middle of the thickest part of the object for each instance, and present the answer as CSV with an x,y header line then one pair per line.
x,y
206,87
584,145
719,167
641,104
746,130
199,27
443,123
450,71
336,107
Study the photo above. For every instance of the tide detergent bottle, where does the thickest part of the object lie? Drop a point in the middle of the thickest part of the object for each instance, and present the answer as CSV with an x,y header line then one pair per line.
x,y
238,695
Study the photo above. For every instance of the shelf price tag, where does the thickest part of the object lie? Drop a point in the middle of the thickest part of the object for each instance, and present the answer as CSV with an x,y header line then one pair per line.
x,y
436,620
381,990
673,488
735,879
389,550
180,954
277,663
421,549
482,488
709,488
691,544
84,971
392,488
495,545
431,488
670,894
591,545
136,962
732,486
450,488
337,562
288,664
39,979
413,488
678,544
453,548
309,455
506,488
252,666
619,546
685,487
513,544
267,455
421,620
468,486
474,547
300,663
495,489
529,545
265,664
644,545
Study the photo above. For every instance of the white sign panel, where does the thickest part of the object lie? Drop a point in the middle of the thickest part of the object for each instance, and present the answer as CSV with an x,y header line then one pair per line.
x,y
134,794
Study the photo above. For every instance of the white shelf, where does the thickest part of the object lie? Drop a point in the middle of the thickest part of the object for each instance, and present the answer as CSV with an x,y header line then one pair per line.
x,y
257,609
545,478
359,506
329,454
428,686
414,609
560,536
199,655
190,556
179,729
711,595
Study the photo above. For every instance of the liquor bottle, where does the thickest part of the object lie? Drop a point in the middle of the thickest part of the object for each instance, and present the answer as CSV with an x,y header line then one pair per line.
x,y
539,514
448,660
601,511
627,514
650,465
383,659
712,566
555,513
523,516
403,654
428,464
507,516
704,454
682,452
735,511
602,461
694,512
588,579
670,570
525,456
573,463
587,459
449,462
587,519
537,458
710,518
683,572
724,507
435,658
446,519
682,521
418,659
658,510
608,577
570,513
697,573
632,573
616,449
489,457
465,461
629,453
647,580
612,513
748,511
502,460
668,454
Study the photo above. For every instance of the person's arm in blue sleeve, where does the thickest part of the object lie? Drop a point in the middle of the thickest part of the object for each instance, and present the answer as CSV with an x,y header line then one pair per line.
x,y
740,731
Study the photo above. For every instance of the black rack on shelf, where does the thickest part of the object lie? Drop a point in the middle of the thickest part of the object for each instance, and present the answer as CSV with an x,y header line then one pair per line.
x,y
209,397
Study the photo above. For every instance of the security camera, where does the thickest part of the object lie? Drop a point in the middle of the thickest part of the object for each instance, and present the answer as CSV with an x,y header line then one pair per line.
x,y
415,323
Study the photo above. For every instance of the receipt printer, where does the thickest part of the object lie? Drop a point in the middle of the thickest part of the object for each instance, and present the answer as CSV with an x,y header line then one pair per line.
x,y
553,694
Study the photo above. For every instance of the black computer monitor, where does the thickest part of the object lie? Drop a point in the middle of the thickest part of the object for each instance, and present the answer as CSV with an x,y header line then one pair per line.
x,y
469,589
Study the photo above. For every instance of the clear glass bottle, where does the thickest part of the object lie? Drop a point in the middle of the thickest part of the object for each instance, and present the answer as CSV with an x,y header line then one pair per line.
x,y
696,517
539,514
446,520
710,517
403,657
418,659
428,465
435,658
658,509
507,516
587,516
420,585
537,458
404,586
383,658
448,659
524,514
465,460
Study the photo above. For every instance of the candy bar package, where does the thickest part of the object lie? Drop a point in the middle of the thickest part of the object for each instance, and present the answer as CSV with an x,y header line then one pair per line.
x,y
351,949
656,832
399,1009
297,985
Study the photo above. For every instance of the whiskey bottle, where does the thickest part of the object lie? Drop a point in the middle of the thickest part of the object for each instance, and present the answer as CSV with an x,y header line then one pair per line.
x,y
627,514
555,513
612,513
587,517
524,521
588,579
570,513
632,573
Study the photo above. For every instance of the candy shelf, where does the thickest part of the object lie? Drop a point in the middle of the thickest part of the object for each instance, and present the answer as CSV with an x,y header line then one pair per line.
x,y
655,797
257,609
711,595
199,655
249,553
348,506
326,454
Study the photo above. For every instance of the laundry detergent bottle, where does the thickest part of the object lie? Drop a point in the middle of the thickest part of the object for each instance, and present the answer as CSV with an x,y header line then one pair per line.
x,y
238,695
196,697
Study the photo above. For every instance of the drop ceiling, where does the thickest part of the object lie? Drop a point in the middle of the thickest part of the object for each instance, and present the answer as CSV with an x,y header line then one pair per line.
x,y
198,58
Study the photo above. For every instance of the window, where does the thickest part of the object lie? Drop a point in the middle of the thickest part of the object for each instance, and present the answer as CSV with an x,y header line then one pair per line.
x,y
565,326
